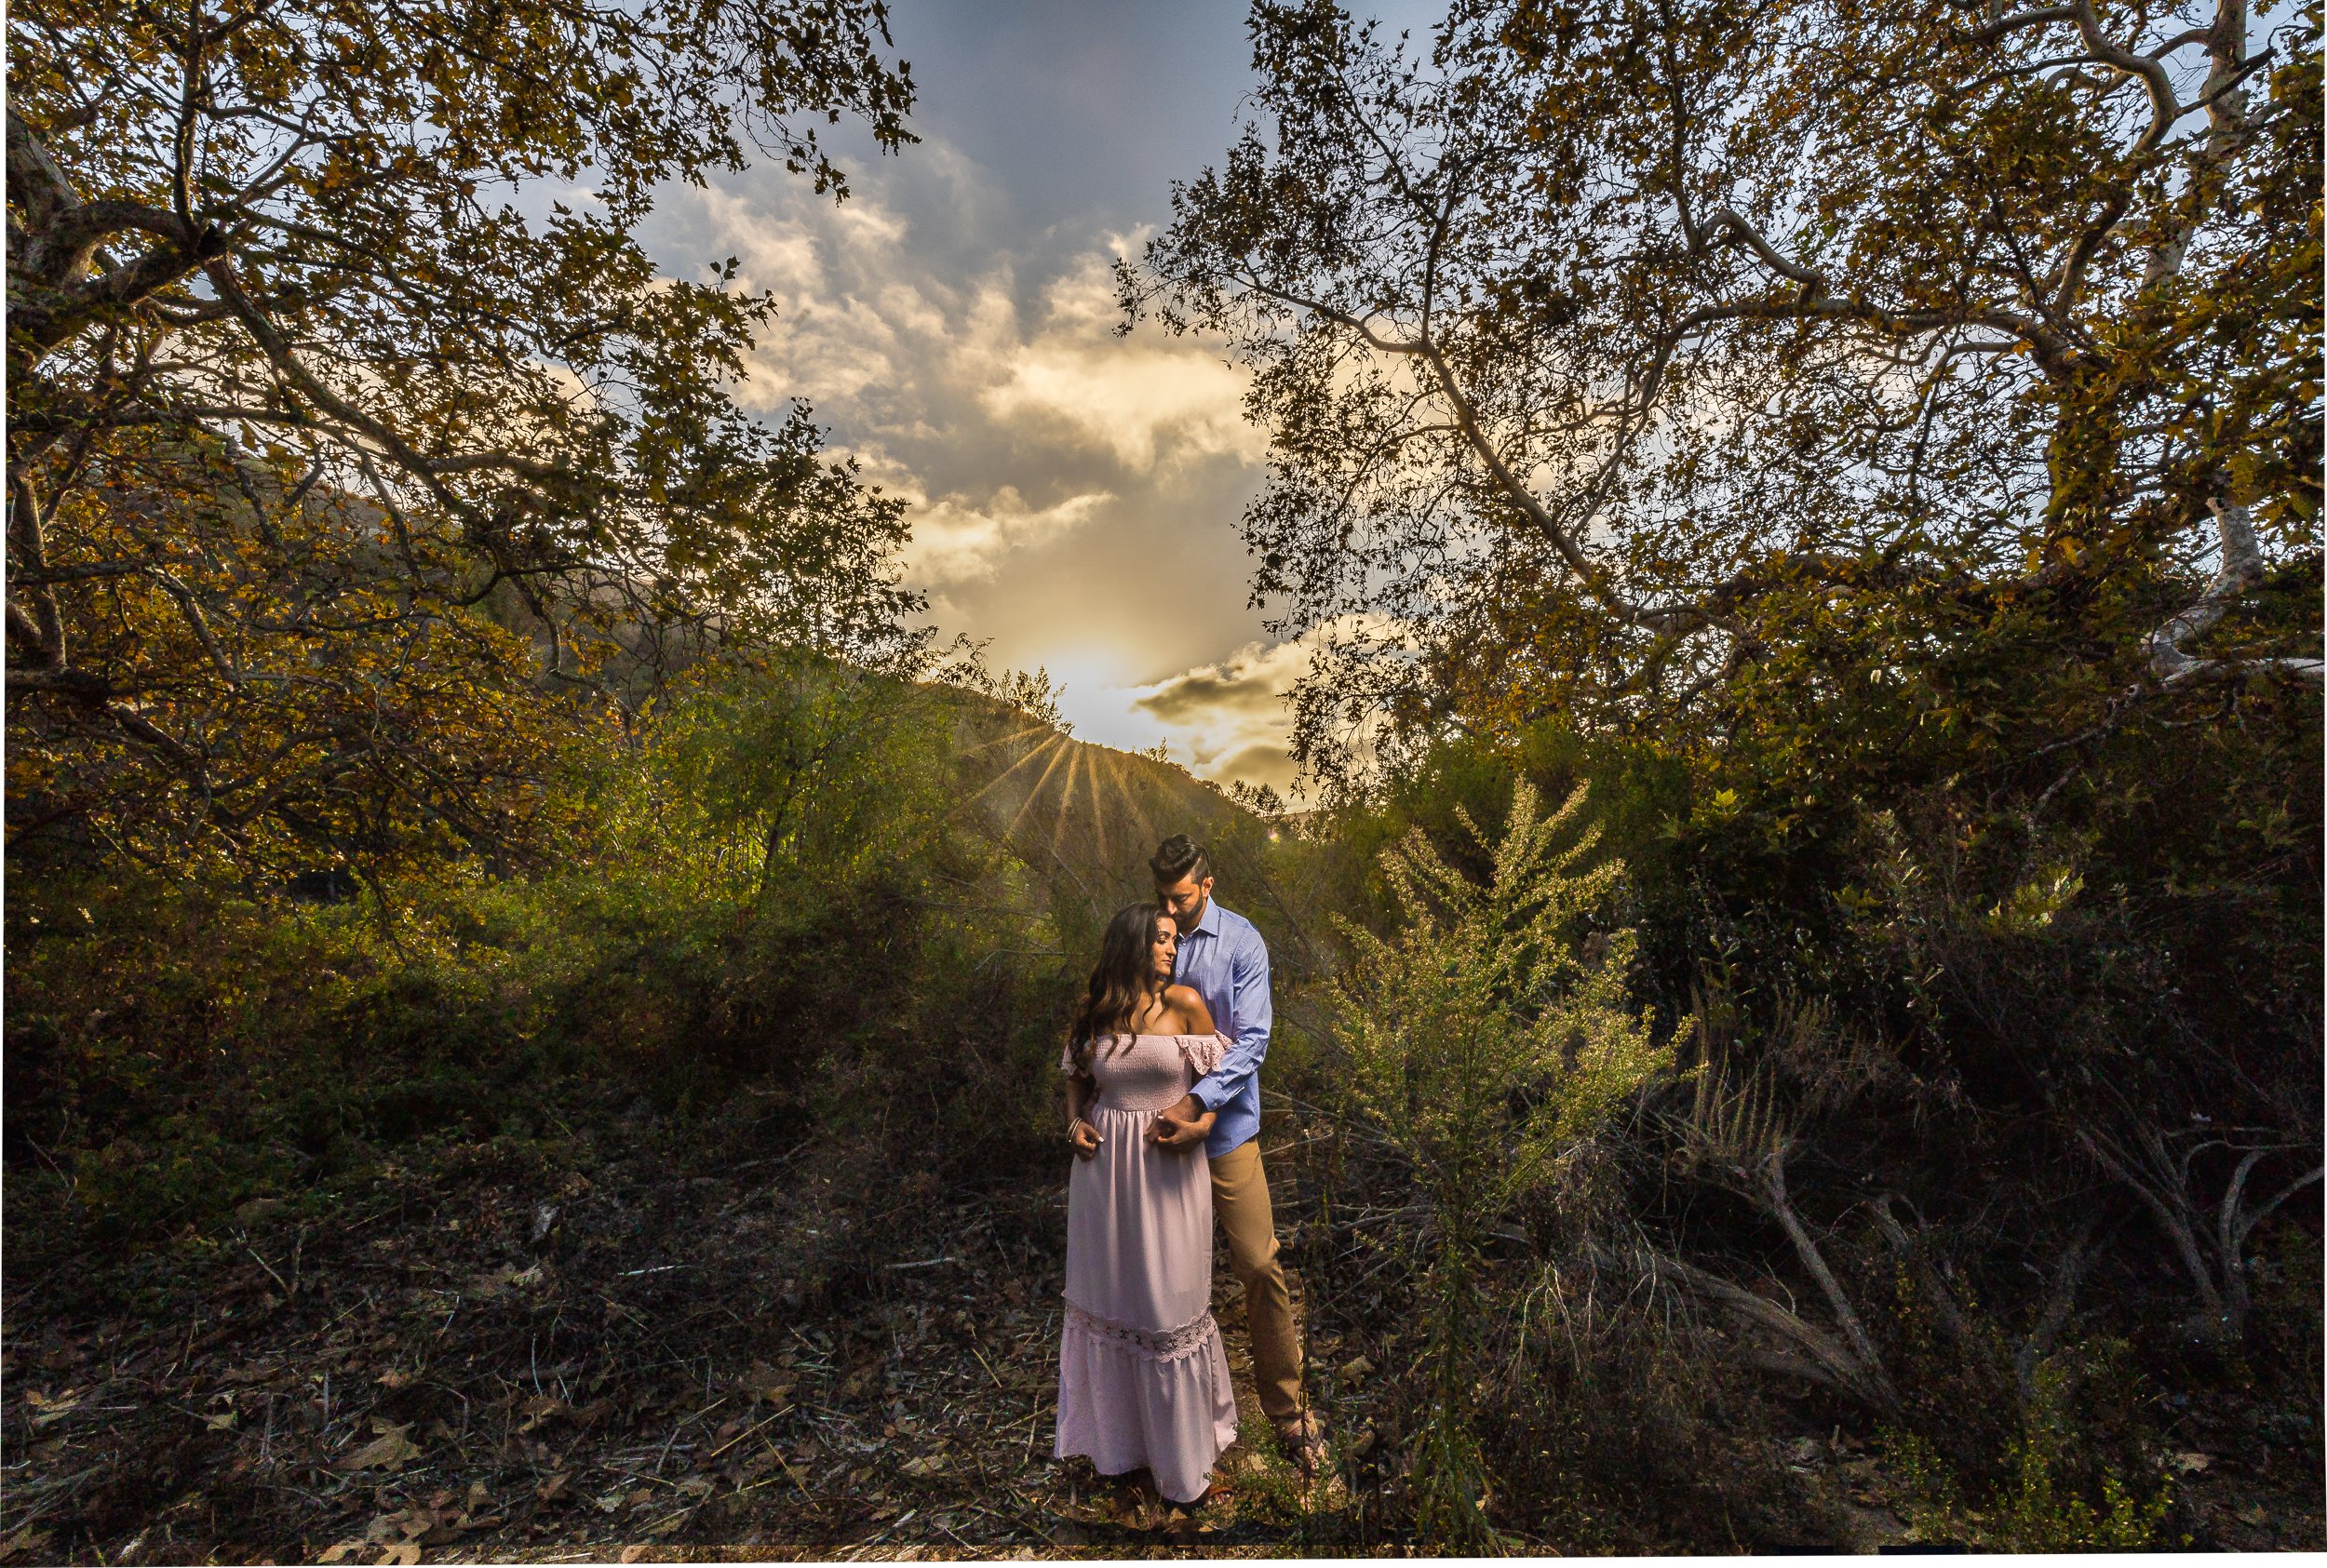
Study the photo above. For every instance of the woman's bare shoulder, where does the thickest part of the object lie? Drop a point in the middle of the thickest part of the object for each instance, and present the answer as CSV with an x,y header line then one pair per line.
x,y
1189,1006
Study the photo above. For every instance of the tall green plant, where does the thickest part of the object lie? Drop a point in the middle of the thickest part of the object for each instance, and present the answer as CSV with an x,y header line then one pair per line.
x,y
1488,1039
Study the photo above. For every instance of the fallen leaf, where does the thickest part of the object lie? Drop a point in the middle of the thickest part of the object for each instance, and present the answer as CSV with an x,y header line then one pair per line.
x,y
608,1502
632,1553
2254,1515
493,1282
1355,1371
344,1550
394,1378
389,1450
927,1465
51,1408
2190,1462
404,1552
552,1489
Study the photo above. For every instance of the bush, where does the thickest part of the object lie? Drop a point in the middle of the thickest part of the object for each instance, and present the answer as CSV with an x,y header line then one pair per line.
x,y
1488,1043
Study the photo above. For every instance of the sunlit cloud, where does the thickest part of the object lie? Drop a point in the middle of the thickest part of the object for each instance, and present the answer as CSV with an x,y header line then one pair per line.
x,y
1229,720
1072,494
1150,401
1016,412
1250,683
956,542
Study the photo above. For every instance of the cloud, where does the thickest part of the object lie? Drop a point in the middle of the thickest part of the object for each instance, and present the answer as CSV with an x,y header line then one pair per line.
x,y
1072,494
954,541
1150,402
1266,762
1250,683
1229,718
990,379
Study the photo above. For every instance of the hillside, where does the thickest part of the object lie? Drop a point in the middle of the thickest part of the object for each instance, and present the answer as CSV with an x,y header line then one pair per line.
x,y
1089,812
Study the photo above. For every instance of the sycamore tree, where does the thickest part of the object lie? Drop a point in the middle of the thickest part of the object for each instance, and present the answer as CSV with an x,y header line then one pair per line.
x,y
1629,358
356,449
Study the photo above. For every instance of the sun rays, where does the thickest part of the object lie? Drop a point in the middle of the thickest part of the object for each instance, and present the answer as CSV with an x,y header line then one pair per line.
x,y
1088,810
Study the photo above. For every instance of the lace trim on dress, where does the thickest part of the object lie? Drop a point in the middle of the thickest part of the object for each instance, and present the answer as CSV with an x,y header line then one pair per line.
x,y
1204,1051
1154,1345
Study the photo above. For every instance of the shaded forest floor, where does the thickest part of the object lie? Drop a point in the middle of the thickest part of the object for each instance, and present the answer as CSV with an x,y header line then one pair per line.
x,y
637,1345
518,1356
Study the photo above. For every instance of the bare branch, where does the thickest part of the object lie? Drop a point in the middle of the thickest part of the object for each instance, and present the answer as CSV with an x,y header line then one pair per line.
x,y
2240,570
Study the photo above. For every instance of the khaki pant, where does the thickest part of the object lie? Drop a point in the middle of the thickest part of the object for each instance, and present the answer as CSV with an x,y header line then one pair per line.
x,y
1240,1198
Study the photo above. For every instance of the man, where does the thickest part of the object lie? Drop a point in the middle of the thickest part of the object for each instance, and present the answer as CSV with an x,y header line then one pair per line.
x,y
1223,957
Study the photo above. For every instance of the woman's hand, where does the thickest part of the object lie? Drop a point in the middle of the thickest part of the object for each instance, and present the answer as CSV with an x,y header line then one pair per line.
x,y
1084,1138
1185,1125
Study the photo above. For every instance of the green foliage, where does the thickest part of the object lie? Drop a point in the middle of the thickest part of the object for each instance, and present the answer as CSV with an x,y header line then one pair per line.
x,y
1487,1042
768,886
1727,341
342,476
2035,1507
1490,992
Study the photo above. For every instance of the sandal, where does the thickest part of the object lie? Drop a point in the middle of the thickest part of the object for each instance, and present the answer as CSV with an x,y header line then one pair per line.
x,y
1303,1439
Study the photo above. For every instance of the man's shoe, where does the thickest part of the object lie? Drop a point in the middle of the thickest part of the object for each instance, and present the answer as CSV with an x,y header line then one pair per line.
x,y
1304,1442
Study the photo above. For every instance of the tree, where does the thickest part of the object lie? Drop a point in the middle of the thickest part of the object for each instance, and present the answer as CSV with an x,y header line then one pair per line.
x,y
338,377
1613,354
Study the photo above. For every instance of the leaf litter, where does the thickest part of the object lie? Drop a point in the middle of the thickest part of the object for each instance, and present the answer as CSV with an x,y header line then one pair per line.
x,y
634,1360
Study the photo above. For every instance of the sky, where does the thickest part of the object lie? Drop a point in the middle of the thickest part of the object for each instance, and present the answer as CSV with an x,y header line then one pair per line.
x,y
1073,493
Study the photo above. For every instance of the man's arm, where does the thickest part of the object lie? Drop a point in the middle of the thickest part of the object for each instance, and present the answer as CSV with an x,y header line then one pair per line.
x,y
1250,1015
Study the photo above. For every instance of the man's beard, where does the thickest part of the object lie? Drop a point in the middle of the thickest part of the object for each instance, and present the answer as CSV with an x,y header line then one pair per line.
x,y
1192,922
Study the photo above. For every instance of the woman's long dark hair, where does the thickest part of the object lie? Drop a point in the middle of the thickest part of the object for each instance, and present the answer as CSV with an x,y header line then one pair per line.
x,y
1119,981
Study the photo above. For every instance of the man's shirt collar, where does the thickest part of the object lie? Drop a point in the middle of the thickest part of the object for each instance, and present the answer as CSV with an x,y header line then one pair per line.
x,y
1210,924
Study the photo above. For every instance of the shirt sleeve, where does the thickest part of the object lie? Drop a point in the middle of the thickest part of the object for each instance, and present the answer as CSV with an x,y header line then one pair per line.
x,y
1250,1015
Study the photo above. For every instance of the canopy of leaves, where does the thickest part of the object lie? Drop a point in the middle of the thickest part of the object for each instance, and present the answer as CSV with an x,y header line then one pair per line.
x,y
337,375
1609,348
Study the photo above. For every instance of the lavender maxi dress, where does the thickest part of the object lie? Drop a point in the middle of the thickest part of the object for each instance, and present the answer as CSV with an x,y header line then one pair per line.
x,y
1142,1377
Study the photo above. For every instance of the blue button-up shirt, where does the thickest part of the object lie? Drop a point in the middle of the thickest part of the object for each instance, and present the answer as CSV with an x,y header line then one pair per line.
x,y
1228,964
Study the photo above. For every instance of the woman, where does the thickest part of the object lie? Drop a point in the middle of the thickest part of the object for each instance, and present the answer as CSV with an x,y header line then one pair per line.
x,y
1142,1378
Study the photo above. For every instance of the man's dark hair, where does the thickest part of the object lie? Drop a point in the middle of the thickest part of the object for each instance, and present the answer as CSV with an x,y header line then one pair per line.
x,y
1177,858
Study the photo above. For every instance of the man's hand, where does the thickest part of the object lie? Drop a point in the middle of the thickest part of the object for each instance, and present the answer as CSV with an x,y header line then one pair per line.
x,y
1084,1138
1185,1125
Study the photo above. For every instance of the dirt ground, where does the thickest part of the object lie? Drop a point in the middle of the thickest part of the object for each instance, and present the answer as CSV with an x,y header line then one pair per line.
x,y
662,1352
515,1363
